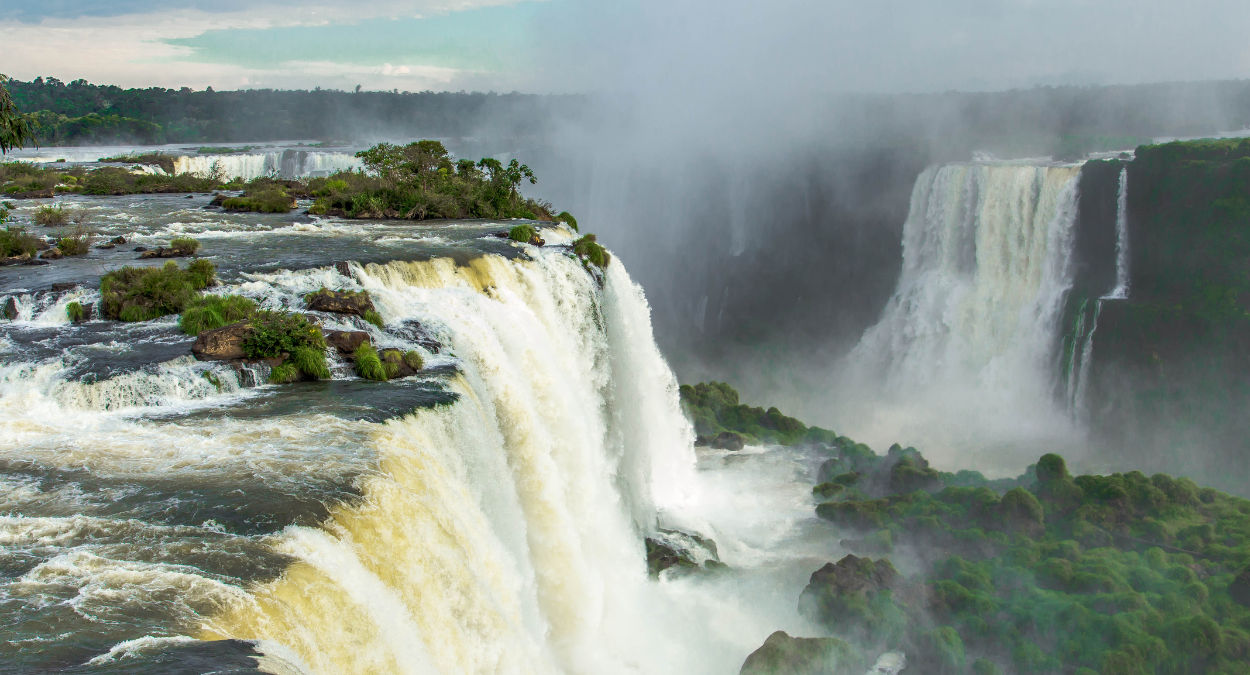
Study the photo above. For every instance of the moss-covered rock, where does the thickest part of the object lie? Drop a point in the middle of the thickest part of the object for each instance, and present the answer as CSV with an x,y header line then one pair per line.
x,y
784,655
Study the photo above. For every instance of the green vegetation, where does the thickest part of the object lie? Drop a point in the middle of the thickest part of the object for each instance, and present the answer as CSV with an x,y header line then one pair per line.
x,y
78,243
1109,574
166,162
16,129
74,311
94,129
372,316
145,293
15,240
413,359
523,233
368,364
116,181
214,311
291,337
51,216
566,217
267,197
421,180
714,408
588,249
184,246
209,150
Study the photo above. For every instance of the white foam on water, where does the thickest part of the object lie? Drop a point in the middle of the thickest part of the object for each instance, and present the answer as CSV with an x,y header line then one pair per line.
x,y
139,647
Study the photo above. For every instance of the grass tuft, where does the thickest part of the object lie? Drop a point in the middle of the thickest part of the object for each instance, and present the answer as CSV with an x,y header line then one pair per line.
x,y
185,245
15,240
74,311
413,360
589,250
566,217
145,293
368,364
311,362
284,374
374,318
522,233
51,216
214,311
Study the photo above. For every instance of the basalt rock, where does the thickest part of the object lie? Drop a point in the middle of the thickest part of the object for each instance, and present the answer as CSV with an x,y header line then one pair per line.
x,y
15,259
340,302
398,364
785,655
10,308
53,253
62,287
675,549
140,249
346,341
855,598
164,252
42,244
221,344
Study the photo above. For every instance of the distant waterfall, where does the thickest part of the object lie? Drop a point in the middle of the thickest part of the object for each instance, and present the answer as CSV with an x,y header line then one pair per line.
x,y
1121,243
974,321
285,163
1078,354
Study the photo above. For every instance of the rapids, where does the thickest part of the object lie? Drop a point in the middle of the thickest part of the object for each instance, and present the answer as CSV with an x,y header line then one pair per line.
x,y
161,514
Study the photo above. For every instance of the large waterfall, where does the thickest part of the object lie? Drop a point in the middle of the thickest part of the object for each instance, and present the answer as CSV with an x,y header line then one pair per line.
x,y
971,329
285,163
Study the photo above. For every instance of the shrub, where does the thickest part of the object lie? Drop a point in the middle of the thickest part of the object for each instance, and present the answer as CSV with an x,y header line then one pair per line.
x,y
185,245
566,217
275,333
145,293
589,250
414,360
214,311
374,318
78,243
284,373
522,233
50,216
268,201
368,364
15,240
74,311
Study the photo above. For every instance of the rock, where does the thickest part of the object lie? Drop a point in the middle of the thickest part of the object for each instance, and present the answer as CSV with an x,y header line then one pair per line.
x,y
340,302
346,341
53,253
343,268
140,249
785,655
36,261
62,287
42,244
218,200
190,196
402,368
673,548
117,240
502,234
850,599
728,440
221,344
536,241
88,313
1239,589
10,308
106,246
15,259
163,252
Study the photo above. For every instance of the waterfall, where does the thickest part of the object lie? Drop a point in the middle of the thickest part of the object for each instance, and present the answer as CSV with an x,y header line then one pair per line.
x,y
1079,352
1121,241
501,533
285,163
974,320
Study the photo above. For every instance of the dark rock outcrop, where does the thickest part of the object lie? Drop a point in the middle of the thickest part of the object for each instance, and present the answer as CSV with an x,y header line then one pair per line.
x,y
63,287
400,366
53,253
672,548
15,259
785,655
221,344
346,341
340,302
10,308
855,598
165,252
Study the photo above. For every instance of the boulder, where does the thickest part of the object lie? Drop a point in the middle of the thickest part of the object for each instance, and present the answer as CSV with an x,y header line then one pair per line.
x,y
221,344
855,598
343,268
401,368
10,308
218,200
728,440
117,240
15,259
673,548
164,252
62,287
42,244
346,341
53,253
340,302
107,245
785,655
140,249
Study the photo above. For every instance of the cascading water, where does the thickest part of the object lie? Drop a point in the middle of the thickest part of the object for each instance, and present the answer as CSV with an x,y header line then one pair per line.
x,y
1120,291
285,163
484,516
972,325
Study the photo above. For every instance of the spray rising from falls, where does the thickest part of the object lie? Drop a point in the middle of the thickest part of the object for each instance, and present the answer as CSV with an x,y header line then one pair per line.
x,y
972,325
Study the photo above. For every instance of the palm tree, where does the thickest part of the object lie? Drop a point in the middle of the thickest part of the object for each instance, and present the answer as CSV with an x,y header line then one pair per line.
x,y
16,129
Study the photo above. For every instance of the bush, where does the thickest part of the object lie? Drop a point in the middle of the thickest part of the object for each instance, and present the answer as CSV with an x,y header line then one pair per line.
x,y
214,311
145,293
74,311
50,216
368,364
15,240
589,250
185,246
522,233
77,243
268,201
276,333
566,217
414,360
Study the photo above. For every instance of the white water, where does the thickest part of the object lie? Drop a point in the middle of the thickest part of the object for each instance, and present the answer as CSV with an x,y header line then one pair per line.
x,y
965,344
1121,241
286,163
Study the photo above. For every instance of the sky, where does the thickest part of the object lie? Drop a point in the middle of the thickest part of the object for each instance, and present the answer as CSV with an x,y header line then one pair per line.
x,y
598,45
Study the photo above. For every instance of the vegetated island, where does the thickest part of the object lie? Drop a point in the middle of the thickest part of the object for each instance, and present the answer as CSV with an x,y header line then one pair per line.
x,y
1044,573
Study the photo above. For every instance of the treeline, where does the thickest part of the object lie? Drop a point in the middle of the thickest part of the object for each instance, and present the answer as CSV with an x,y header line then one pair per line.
x,y
81,112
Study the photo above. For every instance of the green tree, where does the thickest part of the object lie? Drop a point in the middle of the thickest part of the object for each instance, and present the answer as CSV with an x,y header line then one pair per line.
x,y
16,129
